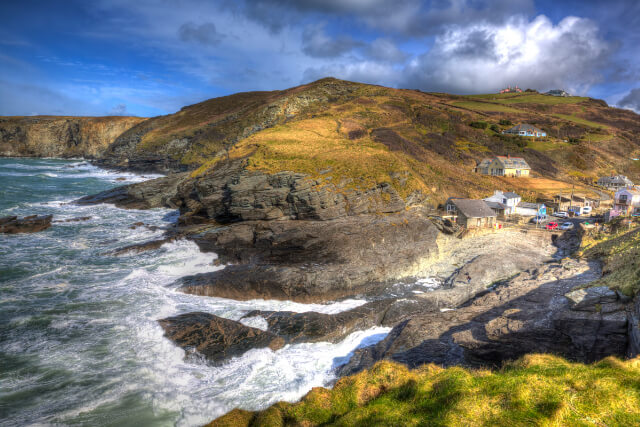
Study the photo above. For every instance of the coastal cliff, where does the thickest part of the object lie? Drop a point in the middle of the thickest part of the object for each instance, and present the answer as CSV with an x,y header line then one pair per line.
x,y
329,191
65,137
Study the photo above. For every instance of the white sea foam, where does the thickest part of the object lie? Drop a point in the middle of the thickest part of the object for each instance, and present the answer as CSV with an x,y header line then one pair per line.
x,y
96,326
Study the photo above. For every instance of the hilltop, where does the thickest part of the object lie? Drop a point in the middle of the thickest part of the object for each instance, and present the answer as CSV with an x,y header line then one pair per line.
x,y
359,136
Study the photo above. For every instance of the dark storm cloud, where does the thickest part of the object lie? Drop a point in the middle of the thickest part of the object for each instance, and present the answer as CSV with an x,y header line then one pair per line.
x,y
536,54
316,43
385,50
406,17
478,43
205,34
631,100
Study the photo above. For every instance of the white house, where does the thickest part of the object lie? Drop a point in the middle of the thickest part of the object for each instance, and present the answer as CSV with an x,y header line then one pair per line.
x,y
531,209
503,203
615,182
627,201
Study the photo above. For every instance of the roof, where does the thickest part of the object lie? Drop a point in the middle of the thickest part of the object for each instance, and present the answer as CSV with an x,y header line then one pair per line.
x,y
631,190
528,205
495,205
485,163
473,208
513,162
616,179
524,127
510,195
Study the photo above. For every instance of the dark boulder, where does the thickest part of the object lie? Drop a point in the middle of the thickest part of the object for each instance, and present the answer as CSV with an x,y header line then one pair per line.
x,y
155,193
216,338
28,224
316,327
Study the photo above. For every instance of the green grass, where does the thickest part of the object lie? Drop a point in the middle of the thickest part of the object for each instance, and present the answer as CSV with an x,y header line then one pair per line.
x,y
596,137
580,120
535,390
620,252
546,144
485,106
528,98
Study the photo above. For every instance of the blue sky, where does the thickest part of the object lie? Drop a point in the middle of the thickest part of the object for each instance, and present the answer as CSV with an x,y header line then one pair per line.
x,y
147,57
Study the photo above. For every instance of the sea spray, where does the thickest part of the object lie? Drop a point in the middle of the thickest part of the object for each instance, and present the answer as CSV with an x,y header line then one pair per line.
x,y
79,338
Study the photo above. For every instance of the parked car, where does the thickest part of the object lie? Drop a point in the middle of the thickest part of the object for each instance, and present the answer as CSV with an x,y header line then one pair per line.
x,y
552,225
539,219
586,210
561,214
566,226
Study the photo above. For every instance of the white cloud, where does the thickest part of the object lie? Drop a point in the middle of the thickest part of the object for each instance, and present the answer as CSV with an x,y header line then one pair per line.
x,y
536,54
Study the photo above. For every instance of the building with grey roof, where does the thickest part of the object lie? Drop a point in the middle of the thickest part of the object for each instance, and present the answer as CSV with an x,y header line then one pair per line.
x,y
472,213
615,182
525,130
504,166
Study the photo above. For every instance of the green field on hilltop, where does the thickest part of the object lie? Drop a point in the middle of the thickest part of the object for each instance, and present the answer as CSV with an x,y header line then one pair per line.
x,y
485,106
528,98
580,120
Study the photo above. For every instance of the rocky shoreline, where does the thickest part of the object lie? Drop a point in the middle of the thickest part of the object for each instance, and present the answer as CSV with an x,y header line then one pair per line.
x,y
502,294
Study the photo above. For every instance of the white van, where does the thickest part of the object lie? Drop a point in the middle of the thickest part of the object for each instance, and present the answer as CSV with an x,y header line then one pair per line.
x,y
586,210
561,214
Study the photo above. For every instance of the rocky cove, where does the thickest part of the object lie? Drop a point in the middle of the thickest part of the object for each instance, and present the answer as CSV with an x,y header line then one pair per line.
x,y
500,294
314,210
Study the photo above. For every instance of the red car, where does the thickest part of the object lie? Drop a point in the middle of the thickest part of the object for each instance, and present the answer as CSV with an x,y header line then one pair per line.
x,y
552,226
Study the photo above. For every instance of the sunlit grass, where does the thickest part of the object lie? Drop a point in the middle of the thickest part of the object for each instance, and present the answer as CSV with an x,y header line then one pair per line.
x,y
485,106
535,390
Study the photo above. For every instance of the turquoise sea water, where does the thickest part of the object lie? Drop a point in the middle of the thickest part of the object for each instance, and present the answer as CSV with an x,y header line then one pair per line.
x,y
79,339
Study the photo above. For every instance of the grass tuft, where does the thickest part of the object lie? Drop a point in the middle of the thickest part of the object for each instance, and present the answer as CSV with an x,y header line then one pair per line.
x,y
534,390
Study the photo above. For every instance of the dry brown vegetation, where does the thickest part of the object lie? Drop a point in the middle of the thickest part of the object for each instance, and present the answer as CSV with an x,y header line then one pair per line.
x,y
358,135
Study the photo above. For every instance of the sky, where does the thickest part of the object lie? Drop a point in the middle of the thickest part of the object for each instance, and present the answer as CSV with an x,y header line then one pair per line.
x,y
152,57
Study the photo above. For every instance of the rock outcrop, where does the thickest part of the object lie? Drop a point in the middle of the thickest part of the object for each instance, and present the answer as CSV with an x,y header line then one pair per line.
x,y
528,314
313,261
216,338
155,193
28,224
51,136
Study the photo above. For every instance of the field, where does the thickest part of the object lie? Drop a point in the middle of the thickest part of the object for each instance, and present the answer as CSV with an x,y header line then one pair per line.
x,y
545,187
579,120
485,106
528,98
535,390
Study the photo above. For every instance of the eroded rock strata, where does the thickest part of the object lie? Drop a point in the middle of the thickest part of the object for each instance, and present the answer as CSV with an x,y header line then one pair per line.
x,y
51,136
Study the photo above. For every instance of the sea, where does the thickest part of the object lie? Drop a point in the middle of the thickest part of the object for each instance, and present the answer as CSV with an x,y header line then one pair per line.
x,y
79,339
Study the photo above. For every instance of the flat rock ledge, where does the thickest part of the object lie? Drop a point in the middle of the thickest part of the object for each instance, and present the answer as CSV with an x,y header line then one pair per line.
x,y
216,338
28,224
527,314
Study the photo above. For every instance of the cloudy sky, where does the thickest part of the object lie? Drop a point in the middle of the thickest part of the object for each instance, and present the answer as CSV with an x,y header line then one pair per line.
x,y
150,57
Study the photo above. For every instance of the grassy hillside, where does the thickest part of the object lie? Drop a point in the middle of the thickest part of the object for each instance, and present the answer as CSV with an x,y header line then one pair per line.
x,y
619,248
357,136
535,390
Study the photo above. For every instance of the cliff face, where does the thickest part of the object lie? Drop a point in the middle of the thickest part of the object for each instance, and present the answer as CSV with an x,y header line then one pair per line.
x,y
48,136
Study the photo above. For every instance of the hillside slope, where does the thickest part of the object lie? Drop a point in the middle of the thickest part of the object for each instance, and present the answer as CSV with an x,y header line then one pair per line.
x,y
57,136
359,136
535,390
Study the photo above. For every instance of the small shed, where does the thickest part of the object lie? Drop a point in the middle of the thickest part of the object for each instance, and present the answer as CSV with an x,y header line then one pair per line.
x,y
473,213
